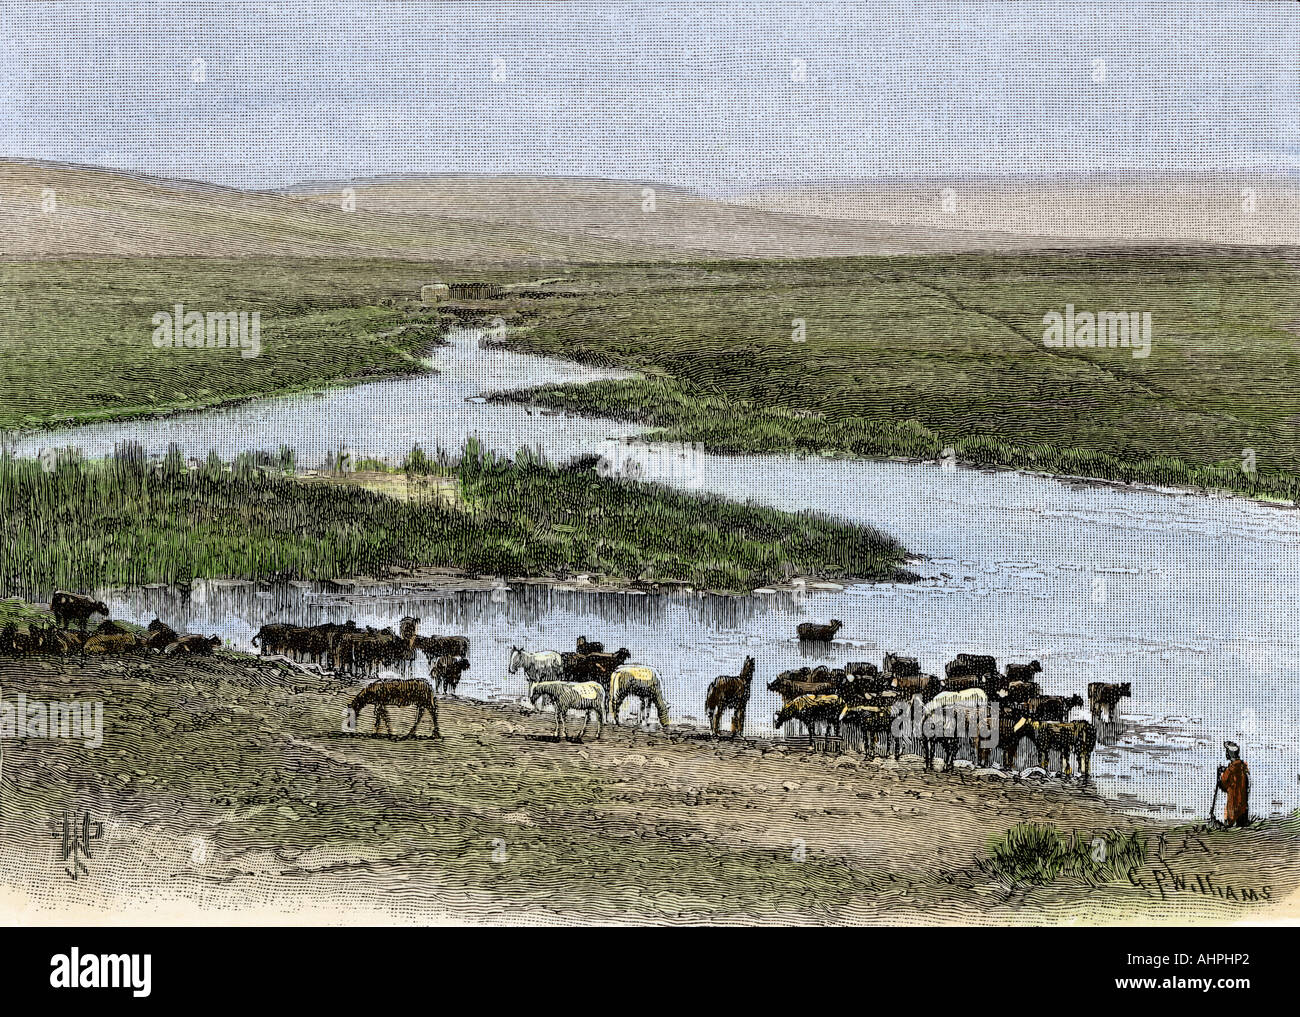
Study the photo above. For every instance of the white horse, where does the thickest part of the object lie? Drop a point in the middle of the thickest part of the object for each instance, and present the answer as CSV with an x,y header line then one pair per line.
x,y
636,681
953,718
543,666
586,697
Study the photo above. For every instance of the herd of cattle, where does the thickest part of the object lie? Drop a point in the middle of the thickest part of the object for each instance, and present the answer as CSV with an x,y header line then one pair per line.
x,y
975,704
107,638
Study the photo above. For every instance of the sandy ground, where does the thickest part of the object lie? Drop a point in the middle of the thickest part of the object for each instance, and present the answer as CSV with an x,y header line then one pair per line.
x,y
228,792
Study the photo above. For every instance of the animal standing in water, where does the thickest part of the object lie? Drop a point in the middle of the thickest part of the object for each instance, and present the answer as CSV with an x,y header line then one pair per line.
x,y
811,632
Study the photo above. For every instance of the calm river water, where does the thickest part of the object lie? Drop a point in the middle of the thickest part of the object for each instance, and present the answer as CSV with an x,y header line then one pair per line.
x,y
1187,597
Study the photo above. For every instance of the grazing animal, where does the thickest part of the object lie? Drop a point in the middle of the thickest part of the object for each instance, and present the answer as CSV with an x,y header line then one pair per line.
x,y
730,692
1023,672
48,639
446,674
434,647
544,665
811,632
160,639
586,647
585,697
951,718
366,651
13,641
1052,707
202,645
68,607
1012,729
636,681
386,692
901,667
790,685
1104,697
811,711
111,644
1076,737
927,686
970,665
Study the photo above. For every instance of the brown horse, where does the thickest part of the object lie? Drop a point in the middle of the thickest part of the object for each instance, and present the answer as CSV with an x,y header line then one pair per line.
x,y
388,692
729,692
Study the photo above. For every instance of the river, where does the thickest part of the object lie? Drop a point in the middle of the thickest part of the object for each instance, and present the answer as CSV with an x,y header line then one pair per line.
x,y
1187,597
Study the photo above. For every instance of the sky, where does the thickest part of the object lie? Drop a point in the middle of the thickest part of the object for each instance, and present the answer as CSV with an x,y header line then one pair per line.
x,y
713,96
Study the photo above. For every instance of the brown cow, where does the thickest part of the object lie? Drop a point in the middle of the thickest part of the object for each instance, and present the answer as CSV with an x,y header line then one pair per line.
x,y
970,665
811,632
872,720
811,711
112,644
1052,708
593,667
434,647
1023,672
1104,697
1076,737
927,686
901,667
446,674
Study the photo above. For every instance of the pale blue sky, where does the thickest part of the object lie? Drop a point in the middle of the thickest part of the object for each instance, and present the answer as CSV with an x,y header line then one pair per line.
x,y
692,93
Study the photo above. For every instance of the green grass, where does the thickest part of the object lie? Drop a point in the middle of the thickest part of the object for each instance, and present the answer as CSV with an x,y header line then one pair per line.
x,y
738,427
125,521
899,356
905,356
76,336
1041,854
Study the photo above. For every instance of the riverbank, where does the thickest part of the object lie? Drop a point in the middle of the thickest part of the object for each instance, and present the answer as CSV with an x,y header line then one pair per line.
x,y
76,337
676,414
128,522
294,820
915,357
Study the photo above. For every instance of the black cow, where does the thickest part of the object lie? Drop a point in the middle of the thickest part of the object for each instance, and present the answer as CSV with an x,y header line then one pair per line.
x,y
69,607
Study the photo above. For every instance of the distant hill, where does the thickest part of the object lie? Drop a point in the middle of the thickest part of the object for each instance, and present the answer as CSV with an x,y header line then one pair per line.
x,y
512,219
104,212
674,220
1241,208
